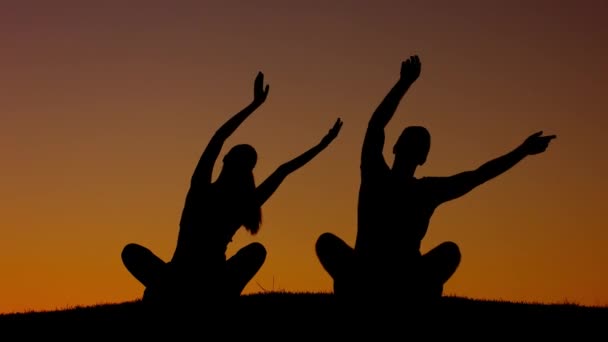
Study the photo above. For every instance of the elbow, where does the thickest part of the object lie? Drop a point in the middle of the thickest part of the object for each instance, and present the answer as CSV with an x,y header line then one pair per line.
x,y
284,170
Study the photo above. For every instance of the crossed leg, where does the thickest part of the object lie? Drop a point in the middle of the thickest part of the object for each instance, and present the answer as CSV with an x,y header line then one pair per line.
x,y
242,266
338,260
149,269
144,265
438,265
435,268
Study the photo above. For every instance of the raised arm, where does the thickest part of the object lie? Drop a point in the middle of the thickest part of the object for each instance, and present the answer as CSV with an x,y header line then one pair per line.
x,y
270,185
455,186
373,142
204,168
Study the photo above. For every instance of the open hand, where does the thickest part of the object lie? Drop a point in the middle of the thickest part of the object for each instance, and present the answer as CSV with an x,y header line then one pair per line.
x,y
410,69
333,132
537,143
259,92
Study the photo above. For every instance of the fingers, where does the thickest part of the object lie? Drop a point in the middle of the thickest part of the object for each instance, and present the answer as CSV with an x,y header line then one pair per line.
x,y
260,92
410,68
339,123
336,128
333,132
544,142
540,133
259,80
413,59
547,139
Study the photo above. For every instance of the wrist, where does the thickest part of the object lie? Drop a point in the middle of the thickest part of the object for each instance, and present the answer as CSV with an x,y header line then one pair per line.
x,y
404,82
521,151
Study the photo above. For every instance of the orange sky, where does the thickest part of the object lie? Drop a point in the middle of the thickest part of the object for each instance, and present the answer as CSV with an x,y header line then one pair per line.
x,y
107,107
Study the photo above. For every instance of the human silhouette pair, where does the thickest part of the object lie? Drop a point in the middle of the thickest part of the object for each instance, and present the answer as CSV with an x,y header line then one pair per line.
x,y
394,210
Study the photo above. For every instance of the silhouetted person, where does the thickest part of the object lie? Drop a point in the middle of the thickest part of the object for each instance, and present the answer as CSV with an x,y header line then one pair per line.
x,y
394,210
199,272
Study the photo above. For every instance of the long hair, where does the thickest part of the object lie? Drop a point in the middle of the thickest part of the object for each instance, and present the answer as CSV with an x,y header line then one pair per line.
x,y
238,169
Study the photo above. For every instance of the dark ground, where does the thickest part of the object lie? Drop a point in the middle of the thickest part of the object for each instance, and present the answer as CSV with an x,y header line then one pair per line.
x,y
305,316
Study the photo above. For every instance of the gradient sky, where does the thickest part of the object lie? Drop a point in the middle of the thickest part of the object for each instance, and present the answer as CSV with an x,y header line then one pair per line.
x,y
107,105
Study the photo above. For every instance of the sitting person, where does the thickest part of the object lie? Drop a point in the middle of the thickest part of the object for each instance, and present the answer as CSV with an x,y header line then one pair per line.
x,y
199,272
394,210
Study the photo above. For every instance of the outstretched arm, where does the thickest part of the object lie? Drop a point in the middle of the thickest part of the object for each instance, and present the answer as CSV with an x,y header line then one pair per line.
x,y
455,186
204,168
270,185
373,142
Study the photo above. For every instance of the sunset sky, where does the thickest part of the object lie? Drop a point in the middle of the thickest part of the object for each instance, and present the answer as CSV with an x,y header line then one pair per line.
x,y
107,105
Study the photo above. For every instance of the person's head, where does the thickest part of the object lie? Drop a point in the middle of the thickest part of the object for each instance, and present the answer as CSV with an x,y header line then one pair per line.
x,y
237,178
413,145
240,158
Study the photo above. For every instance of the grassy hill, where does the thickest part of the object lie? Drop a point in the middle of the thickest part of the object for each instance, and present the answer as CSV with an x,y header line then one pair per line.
x,y
295,316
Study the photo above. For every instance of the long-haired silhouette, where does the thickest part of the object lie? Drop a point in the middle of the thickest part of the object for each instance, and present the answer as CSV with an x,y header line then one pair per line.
x,y
199,272
394,210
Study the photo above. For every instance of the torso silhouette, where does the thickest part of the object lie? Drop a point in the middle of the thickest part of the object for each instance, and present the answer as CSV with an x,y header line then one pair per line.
x,y
393,215
208,223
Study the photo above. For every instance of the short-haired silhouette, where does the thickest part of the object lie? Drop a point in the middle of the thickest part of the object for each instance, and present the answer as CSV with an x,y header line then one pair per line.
x,y
394,210
199,272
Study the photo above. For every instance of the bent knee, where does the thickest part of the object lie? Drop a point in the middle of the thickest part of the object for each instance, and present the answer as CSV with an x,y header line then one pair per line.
x,y
452,250
325,240
129,250
258,250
